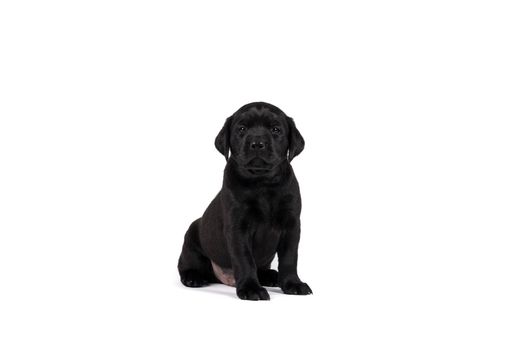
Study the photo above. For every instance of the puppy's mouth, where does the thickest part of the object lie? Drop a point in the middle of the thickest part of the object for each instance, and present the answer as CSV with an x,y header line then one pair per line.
x,y
258,166
258,171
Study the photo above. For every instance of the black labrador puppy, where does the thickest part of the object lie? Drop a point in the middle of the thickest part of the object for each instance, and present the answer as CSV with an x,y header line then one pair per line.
x,y
256,213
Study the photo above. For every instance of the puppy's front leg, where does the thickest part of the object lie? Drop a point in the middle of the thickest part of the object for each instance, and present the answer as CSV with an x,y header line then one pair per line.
x,y
287,253
244,267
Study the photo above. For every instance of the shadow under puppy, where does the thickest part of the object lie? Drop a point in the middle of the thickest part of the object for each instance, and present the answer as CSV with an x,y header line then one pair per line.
x,y
255,215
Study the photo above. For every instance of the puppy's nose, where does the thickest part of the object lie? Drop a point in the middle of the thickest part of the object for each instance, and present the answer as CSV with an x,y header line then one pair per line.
x,y
257,145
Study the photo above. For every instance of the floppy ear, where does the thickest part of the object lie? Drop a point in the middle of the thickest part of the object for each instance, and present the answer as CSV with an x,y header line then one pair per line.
x,y
222,141
295,140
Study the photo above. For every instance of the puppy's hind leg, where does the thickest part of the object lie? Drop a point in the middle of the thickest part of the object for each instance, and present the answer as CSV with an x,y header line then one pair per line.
x,y
194,268
267,276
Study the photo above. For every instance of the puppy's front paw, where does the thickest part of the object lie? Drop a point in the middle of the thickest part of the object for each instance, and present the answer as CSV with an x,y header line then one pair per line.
x,y
252,292
296,288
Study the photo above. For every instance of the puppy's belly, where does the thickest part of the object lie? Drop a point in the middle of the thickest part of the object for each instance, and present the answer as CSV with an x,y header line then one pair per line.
x,y
223,275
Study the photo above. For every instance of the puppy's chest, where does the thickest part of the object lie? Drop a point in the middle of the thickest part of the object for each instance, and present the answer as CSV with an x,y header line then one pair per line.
x,y
271,211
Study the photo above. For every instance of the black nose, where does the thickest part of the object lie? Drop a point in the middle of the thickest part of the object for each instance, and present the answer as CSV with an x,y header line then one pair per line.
x,y
257,145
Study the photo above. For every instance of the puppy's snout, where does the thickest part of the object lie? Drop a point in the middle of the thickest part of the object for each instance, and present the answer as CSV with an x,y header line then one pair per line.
x,y
257,145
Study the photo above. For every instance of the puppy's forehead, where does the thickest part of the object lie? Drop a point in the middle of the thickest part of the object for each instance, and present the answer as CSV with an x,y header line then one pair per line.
x,y
259,116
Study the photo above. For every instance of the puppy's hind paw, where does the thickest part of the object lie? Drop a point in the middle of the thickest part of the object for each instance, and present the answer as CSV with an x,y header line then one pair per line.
x,y
268,278
193,279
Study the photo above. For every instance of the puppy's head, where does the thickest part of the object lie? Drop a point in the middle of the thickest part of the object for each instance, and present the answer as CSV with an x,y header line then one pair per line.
x,y
260,137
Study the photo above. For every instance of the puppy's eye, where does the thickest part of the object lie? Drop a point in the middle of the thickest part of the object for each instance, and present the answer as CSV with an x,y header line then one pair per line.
x,y
276,130
242,129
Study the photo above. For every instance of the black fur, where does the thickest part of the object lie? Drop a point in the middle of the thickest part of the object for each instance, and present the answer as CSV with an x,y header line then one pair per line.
x,y
256,214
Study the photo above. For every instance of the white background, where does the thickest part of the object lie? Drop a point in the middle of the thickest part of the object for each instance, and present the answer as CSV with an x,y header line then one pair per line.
x,y
412,176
